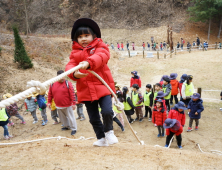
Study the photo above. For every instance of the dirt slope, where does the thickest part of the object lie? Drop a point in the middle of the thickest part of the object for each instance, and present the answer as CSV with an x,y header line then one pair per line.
x,y
127,154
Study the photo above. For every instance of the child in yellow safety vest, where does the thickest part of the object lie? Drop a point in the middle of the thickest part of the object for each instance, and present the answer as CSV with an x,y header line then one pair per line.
x,y
167,91
115,119
157,89
187,90
119,95
53,108
128,105
4,119
148,101
137,100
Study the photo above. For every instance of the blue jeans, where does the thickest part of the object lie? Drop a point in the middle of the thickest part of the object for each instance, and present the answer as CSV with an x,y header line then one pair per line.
x,y
5,130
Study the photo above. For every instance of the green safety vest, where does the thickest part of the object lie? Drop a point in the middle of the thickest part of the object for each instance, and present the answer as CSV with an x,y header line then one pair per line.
x,y
168,96
116,110
155,94
3,115
189,89
146,98
126,104
135,99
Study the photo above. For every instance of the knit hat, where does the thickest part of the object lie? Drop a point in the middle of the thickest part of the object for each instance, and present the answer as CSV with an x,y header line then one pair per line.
x,y
88,23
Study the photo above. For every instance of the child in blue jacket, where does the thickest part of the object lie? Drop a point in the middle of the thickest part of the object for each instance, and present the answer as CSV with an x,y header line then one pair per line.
x,y
195,107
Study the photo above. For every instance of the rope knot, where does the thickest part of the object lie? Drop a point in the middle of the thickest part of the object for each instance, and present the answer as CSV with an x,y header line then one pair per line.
x,y
40,88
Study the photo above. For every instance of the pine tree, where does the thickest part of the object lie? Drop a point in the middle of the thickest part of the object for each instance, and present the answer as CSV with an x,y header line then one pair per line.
x,y
203,10
20,54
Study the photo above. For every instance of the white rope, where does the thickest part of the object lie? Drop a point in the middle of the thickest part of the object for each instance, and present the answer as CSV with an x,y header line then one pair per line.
x,y
42,86
118,105
31,90
58,138
213,151
168,145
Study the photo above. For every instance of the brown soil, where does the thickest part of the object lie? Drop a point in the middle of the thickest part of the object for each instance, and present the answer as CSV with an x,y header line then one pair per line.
x,y
127,154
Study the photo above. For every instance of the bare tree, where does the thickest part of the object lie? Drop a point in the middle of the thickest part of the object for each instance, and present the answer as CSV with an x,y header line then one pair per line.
x,y
26,18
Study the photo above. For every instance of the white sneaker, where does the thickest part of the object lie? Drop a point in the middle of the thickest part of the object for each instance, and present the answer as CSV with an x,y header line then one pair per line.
x,y
34,122
220,109
112,139
101,142
149,119
10,136
6,137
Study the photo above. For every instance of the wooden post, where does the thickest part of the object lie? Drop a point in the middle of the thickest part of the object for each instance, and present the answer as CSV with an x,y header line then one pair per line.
x,y
143,53
199,90
216,46
175,51
158,57
153,88
189,50
203,47
164,56
129,53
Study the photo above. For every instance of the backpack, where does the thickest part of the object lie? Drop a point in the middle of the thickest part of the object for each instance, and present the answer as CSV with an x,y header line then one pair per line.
x,y
67,84
12,109
41,102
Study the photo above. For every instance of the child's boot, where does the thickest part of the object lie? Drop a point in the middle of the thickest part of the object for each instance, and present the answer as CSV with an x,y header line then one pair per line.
x,y
196,128
158,135
189,129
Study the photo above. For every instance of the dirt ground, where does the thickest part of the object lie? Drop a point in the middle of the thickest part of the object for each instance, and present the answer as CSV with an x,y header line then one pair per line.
x,y
127,154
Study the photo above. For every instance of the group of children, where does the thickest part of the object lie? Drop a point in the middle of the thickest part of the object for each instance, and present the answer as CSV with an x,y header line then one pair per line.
x,y
158,101
90,52
32,102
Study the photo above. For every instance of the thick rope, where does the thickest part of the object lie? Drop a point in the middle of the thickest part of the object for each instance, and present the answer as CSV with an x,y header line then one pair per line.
x,y
119,106
213,151
31,90
41,87
58,138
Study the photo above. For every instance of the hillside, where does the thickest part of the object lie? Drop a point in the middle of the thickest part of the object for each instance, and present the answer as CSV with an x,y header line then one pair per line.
x,y
57,17
127,154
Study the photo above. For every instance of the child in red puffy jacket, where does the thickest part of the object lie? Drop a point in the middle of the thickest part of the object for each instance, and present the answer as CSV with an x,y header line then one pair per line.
x,y
159,116
92,53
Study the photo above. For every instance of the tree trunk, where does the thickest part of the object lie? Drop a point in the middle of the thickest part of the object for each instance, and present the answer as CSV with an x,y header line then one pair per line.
x,y
220,27
26,19
209,29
